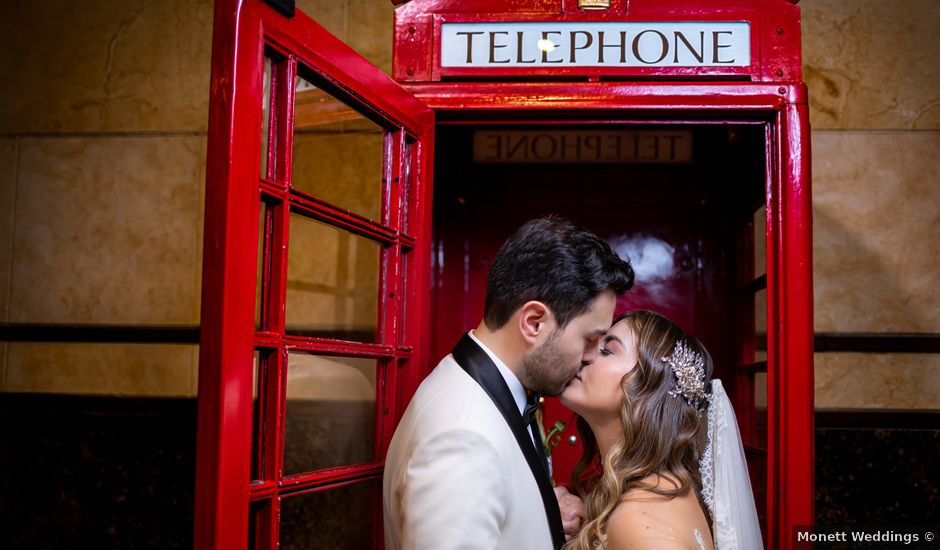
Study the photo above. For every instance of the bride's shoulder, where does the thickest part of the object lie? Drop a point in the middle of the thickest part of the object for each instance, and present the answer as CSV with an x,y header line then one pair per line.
x,y
646,519
638,518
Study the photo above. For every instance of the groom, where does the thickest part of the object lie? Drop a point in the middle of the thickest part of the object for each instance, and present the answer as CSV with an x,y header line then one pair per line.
x,y
466,468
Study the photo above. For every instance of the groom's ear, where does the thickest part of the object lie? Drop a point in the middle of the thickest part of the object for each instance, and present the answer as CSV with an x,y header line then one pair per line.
x,y
534,319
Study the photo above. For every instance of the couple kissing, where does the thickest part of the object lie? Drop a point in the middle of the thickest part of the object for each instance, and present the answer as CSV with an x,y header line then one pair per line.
x,y
466,467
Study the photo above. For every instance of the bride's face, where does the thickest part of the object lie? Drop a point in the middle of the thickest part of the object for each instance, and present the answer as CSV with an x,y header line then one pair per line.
x,y
595,392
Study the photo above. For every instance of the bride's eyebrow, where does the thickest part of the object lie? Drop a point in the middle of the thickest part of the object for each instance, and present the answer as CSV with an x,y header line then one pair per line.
x,y
608,338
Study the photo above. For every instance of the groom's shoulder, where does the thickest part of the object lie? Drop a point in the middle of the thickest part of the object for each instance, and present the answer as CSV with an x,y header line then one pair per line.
x,y
450,396
449,383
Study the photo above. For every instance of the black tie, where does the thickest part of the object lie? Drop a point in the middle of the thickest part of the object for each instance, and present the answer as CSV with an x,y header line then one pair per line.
x,y
531,405
528,418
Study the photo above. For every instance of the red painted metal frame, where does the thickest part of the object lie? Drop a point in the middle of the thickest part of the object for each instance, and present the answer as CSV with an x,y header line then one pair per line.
x,y
775,37
242,32
790,324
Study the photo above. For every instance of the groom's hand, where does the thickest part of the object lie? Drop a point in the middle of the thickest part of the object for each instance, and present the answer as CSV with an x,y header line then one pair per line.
x,y
572,511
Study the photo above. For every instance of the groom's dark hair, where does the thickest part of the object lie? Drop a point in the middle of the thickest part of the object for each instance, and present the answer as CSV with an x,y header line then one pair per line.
x,y
556,262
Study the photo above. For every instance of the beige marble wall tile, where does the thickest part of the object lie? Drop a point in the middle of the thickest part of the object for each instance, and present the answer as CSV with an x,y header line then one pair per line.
x,y
8,157
331,14
3,367
365,25
371,24
104,66
884,381
872,64
101,369
108,230
876,228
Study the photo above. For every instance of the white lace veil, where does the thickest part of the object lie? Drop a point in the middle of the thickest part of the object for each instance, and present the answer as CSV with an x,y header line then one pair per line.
x,y
726,486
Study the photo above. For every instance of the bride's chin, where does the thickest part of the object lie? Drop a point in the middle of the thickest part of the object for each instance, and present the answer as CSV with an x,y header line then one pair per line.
x,y
567,401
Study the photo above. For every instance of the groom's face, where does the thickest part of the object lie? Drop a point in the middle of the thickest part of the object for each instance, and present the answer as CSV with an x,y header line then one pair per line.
x,y
550,366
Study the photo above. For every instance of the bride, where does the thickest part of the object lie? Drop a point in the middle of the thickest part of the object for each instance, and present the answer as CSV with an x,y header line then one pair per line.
x,y
663,465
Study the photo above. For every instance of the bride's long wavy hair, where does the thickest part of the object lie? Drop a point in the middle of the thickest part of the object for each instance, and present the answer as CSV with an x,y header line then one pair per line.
x,y
661,434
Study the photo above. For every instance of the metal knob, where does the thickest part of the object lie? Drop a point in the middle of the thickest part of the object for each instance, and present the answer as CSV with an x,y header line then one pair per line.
x,y
572,440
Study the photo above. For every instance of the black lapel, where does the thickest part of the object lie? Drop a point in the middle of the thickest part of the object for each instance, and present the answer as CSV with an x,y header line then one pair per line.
x,y
481,368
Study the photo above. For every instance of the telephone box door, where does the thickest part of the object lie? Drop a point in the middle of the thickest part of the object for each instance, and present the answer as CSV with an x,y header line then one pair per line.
x,y
315,234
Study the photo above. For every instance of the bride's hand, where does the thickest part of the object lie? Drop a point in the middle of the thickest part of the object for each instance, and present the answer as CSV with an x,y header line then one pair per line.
x,y
572,511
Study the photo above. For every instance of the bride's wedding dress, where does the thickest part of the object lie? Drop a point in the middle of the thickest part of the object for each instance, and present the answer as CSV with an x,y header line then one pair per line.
x,y
726,486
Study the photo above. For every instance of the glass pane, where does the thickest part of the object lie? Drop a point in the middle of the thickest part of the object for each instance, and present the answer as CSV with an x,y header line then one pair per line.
x,y
330,418
338,153
257,466
760,312
760,409
408,184
332,282
407,285
760,325
260,282
332,519
266,116
760,241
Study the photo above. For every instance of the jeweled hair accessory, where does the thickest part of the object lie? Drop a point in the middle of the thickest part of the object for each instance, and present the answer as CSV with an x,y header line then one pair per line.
x,y
689,368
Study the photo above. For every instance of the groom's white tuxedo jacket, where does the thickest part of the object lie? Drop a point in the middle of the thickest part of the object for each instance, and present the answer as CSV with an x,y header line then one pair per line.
x,y
455,476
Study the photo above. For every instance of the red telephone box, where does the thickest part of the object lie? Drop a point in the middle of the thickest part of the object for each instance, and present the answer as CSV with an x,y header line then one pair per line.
x,y
676,130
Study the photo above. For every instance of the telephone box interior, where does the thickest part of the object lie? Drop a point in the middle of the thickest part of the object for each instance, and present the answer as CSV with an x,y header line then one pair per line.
x,y
688,228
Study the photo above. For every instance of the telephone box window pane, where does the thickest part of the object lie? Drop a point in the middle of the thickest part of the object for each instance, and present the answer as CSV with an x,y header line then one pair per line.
x,y
332,518
257,431
266,117
760,312
760,241
760,409
407,287
408,186
260,282
330,419
760,325
338,153
332,282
